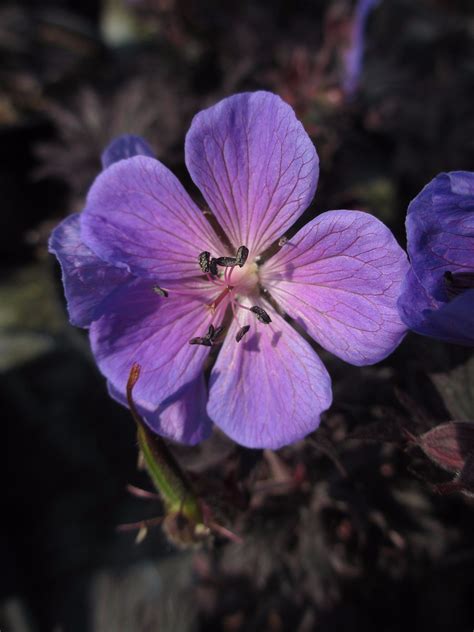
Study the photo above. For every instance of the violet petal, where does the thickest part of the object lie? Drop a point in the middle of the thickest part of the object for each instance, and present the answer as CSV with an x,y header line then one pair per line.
x,y
340,278
440,230
139,326
87,279
269,389
138,216
255,165
123,147
182,417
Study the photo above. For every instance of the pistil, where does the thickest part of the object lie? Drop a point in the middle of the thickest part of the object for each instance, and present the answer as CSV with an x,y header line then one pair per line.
x,y
223,295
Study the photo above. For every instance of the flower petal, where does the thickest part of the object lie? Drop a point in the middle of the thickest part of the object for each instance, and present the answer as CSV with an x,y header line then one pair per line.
x,y
182,417
255,165
140,326
87,279
269,389
138,216
440,230
340,277
452,322
125,146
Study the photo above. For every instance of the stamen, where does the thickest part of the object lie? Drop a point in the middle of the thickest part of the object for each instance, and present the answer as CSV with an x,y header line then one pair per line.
x,y
160,291
215,280
241,257
209,339
206,342
205,261
213,267
261,314
226,262
228,274
224,294
217,333
458,282
241,333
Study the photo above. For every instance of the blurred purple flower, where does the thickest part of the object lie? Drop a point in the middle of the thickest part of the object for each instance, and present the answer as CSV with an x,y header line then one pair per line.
x,y
147,273
437,296
354,54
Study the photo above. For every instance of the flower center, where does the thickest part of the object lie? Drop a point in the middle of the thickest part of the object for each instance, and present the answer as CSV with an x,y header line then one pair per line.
x,y
455,283
237,279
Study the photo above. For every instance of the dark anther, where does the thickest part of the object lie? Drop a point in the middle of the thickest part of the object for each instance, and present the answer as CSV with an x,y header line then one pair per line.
x,y
209,339
261,314
160,291
217,332
458,282
205,261
241,333
213,267
226,262
241,257
201,341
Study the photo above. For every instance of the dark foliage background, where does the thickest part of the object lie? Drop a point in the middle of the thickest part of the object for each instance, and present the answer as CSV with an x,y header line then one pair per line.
x,y
342,531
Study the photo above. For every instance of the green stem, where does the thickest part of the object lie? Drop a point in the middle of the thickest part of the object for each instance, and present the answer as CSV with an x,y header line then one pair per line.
x,y
169,480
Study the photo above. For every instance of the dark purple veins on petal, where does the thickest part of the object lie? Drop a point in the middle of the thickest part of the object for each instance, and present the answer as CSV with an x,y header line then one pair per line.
x,y
241,333
456,283
261,314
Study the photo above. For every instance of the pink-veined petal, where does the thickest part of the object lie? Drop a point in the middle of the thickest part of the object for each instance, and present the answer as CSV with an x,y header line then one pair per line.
x,y
154,331
269,389
138,216
255,165
340,278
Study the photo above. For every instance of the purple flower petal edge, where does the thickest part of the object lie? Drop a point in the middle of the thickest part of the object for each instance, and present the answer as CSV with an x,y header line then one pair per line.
x,y
440,235
181,417
123,147
87,279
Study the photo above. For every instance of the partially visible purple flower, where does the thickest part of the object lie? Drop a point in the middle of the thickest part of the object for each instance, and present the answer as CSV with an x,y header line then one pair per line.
x,y
437,296
354,54
145,270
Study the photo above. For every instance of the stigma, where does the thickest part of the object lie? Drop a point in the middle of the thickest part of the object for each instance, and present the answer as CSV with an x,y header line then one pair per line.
x,y
237,280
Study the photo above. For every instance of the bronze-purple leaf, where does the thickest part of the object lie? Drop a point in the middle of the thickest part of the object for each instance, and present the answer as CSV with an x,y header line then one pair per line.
x,y
449,445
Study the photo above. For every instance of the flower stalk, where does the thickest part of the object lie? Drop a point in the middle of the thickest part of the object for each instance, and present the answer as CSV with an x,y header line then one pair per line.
x,y
184,520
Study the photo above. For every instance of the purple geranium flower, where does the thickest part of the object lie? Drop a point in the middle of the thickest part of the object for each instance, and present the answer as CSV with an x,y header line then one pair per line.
x,y
155,281
438,292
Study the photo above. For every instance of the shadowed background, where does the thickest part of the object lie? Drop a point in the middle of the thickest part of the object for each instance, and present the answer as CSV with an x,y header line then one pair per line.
x,y
341,531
